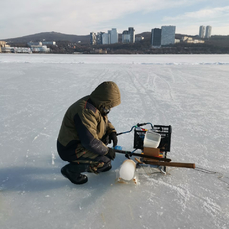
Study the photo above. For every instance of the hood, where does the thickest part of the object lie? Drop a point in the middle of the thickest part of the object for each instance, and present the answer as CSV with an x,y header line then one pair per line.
x,y
107,94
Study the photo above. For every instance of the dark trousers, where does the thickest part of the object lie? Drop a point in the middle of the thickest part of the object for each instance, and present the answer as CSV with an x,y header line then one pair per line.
x,y
76,154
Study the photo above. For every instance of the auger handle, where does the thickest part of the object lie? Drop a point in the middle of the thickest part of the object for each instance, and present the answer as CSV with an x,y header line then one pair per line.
x,y
171,164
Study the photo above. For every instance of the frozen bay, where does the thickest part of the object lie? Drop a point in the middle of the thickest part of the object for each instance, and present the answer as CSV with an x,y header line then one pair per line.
x,y
188,92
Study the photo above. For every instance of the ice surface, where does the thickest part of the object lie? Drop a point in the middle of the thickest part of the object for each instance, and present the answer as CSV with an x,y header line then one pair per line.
x,y
188,92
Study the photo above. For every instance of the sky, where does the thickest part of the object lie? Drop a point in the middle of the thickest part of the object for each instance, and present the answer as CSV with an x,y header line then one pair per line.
x,y
80,17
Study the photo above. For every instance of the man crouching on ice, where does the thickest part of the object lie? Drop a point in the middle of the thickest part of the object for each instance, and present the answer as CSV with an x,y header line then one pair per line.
x,y
85,133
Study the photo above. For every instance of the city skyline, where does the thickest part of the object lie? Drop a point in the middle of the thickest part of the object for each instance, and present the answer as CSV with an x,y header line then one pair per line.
x,y
76,17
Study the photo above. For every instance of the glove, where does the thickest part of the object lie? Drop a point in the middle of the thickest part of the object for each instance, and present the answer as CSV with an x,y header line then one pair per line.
x,y
105,139
111,153
113,137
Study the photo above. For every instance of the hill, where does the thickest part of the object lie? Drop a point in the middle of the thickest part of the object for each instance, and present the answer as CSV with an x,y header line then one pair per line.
x,y
50,36
54,36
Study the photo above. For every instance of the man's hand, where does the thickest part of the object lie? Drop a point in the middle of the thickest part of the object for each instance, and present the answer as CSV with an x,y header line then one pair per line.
x,y
113,137
111,153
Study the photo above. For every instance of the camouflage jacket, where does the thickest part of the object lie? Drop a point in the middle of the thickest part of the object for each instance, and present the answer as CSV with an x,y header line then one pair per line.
x,y
84,123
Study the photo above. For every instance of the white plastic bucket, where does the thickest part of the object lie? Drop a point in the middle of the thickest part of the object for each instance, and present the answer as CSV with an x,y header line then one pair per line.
x,y
152,139
127,170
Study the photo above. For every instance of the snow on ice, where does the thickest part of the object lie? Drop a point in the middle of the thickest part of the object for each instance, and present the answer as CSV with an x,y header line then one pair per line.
x,y
188,92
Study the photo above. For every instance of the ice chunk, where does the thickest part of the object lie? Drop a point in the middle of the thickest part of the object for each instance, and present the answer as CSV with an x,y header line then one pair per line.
x,y
127,170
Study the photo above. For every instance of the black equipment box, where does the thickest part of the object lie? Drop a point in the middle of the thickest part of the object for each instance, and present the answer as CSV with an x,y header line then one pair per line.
x,y
164,131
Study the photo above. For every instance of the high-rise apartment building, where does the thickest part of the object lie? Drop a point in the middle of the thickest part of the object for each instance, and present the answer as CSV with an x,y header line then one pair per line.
x,y
125,37
202,31
156,37
128,36
110,37
113,35
168,35
208,31
93,38
99,38
106,38
132,34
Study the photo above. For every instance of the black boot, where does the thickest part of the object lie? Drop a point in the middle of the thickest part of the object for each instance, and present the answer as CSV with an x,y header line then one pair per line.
x,y
73,173
105,168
